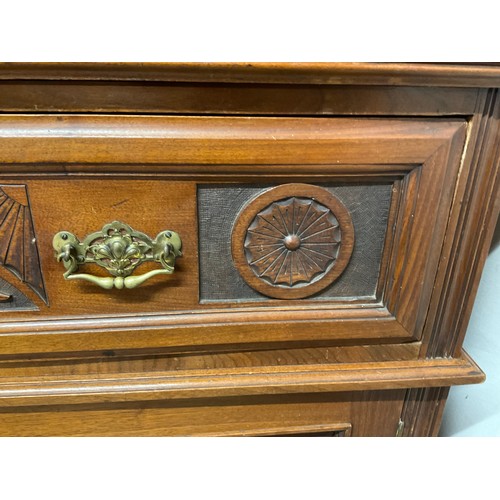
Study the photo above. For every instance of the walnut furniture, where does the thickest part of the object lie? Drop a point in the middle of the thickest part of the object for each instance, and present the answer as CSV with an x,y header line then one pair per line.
x,y
241,249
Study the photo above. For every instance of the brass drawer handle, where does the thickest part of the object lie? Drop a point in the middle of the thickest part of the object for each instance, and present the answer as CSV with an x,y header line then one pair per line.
x,y
119,249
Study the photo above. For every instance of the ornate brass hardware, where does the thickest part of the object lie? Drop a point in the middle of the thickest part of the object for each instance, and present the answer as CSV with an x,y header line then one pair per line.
x,y
119,249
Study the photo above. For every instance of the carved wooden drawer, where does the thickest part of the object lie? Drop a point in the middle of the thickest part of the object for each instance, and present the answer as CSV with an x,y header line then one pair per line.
x,y
292,230
233,250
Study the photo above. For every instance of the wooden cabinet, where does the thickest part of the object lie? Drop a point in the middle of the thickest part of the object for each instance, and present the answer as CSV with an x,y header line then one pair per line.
x,y
225,250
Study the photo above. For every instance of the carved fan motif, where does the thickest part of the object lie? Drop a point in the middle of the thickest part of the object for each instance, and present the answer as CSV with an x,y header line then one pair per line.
x,y
18,248
292,241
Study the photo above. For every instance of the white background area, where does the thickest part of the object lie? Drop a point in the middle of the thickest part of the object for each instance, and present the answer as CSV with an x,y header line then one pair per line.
x,y
474,410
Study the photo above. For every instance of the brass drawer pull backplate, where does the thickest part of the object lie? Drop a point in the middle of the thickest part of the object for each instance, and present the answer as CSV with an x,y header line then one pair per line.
x,y
120,250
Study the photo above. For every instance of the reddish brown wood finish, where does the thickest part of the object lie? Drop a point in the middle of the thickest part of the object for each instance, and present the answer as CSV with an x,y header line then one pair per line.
x,y
471,225
419,155
307,192
230,382
423,411
449,75
236,99
93,143
218,146
359,412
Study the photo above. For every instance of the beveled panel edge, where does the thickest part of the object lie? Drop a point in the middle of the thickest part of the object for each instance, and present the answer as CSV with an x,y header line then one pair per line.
x,y
206,173
430,198
355,73
278,326
242,382
235,141
343,428
152,360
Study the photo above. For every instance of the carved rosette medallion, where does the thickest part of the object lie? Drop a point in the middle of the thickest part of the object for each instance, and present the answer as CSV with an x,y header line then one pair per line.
x,y
292,241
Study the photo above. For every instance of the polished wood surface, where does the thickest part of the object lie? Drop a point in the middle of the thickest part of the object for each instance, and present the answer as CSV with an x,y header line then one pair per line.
x,y
358,412
218,146
91,143
449,75
472,222
228,382
296,223
418,156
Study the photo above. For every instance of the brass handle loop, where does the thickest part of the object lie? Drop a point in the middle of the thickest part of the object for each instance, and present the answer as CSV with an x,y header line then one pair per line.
x,y
120,250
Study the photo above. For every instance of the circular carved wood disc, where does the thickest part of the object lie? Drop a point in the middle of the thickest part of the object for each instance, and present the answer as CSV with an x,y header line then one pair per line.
x,y
292,241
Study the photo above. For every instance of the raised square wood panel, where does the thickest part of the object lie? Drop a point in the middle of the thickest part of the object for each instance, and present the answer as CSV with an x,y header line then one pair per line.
x,y
219,209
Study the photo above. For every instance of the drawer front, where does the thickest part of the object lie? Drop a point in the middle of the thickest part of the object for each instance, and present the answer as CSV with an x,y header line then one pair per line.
x,y
374,413
293,230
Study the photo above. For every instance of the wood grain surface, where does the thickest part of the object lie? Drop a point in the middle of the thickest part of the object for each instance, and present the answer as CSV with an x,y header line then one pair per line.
x,y
471,224
231,99
340,260
93,143
397,74
234,145
239,381
422,154
364,415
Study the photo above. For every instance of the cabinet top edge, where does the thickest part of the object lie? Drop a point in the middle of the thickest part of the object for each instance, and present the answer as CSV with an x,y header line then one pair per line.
x,y
346,73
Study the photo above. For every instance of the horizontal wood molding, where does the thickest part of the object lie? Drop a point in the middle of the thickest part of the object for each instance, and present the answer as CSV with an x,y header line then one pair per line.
x,y
232,99
210,329
240,382
424,74
151,360
229,141
322,430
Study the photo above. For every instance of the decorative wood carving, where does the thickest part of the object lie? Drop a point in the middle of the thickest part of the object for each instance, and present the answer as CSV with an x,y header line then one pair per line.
x,y
12,299
220,205
18,247
292,241
230,362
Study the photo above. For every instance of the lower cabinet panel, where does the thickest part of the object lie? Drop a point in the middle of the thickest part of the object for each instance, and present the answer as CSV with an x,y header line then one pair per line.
x,y
364,413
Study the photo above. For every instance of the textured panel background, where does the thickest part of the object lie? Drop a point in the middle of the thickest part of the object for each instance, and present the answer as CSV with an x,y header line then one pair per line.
x,y
19,301
219,206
